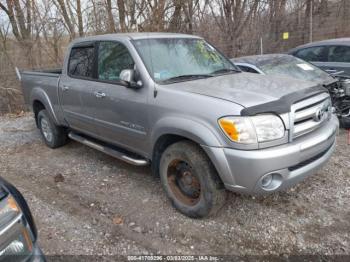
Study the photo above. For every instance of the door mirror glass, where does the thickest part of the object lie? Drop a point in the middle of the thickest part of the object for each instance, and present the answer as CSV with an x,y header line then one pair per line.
x,y
128,75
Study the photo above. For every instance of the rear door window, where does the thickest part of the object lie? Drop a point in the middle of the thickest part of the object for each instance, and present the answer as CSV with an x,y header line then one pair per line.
x,y
313,54
81,62
339,54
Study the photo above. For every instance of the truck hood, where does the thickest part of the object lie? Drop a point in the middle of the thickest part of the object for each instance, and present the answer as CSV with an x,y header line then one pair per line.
x,y
245,89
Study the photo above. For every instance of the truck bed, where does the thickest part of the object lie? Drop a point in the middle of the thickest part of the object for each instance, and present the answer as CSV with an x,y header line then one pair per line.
x,y
40,83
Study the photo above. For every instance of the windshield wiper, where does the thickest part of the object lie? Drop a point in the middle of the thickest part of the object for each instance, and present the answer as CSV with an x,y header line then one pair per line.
x,y
225,70
187,77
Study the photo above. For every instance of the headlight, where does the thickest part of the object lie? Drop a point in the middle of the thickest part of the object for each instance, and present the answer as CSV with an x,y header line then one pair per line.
x,y
250,130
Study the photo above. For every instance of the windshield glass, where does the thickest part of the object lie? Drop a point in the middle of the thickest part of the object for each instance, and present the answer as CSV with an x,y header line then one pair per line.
x,y
294,67
172,59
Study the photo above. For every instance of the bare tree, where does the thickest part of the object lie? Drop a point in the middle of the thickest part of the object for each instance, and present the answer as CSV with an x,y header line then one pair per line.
x,y
64,9
121,10
111,26
80,19
20,17
233,17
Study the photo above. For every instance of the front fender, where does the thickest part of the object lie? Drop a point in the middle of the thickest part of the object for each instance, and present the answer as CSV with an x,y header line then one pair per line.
x,y
38,94
204,135
188,128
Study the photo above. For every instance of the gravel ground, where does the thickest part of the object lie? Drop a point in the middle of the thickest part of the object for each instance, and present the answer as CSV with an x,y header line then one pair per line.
x,y
85,202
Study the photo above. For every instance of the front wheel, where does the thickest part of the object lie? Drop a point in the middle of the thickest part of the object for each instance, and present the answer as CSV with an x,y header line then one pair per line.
x,y
191,181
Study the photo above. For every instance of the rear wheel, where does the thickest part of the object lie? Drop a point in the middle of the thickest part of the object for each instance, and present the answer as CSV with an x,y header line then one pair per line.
x,y
53,135
191,181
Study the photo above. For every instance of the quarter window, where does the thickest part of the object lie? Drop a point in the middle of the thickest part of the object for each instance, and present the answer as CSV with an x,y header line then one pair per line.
x,y
313,54
113,58
81,62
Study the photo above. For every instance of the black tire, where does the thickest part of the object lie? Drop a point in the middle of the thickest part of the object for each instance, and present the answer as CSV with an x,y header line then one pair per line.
x,y
190,180
345,122
58,135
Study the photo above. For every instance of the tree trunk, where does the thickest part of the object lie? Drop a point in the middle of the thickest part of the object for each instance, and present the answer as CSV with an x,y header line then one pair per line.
x,y
175,22
80,19
111,27
67,20
121,9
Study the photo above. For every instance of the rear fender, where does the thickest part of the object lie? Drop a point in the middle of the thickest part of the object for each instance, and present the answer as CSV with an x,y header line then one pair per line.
x,y
40,95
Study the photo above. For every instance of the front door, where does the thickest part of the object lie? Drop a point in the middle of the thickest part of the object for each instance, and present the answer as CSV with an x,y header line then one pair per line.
x,y
121,113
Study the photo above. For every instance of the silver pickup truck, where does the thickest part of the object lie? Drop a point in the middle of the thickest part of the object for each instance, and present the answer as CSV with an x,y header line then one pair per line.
x,y
175,102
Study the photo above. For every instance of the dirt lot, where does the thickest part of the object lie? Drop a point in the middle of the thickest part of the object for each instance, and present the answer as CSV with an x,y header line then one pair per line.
x,y
86,202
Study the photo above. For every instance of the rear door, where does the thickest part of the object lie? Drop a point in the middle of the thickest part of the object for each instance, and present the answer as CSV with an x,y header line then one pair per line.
x,y
76,87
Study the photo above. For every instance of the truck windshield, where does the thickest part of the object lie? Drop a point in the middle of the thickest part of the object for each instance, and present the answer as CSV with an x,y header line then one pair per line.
x,y
181,59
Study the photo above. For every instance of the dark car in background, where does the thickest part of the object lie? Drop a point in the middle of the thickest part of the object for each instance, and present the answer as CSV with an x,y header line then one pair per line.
x,y
18,233
282,64
287,65
331,55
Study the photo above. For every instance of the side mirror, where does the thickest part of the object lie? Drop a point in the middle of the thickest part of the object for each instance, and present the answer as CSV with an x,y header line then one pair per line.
x,y
128,76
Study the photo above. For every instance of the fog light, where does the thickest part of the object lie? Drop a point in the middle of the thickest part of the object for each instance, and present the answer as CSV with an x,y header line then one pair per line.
x,y
271,182
267,180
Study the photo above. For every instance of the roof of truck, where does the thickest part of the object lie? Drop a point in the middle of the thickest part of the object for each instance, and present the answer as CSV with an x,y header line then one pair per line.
x,y
132,36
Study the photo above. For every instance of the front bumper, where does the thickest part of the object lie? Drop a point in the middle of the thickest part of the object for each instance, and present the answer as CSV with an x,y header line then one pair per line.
x,y
242,170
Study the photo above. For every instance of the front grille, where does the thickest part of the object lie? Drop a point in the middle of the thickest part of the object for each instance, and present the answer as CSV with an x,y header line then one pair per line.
x,y
308,161
310,114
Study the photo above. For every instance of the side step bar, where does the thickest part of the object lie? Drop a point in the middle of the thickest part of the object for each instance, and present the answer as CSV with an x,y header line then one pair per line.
x,y
108,150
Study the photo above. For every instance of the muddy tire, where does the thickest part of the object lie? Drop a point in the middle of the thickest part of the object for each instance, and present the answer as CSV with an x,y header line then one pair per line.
x,y
190,180
54,136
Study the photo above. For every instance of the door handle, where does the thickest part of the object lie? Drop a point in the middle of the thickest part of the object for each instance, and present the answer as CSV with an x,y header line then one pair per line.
x,y
100,94
65,88
331,70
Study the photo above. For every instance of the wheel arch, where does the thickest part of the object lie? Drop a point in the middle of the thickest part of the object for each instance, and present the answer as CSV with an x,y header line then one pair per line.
x,y
37,107
40,100
171,130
